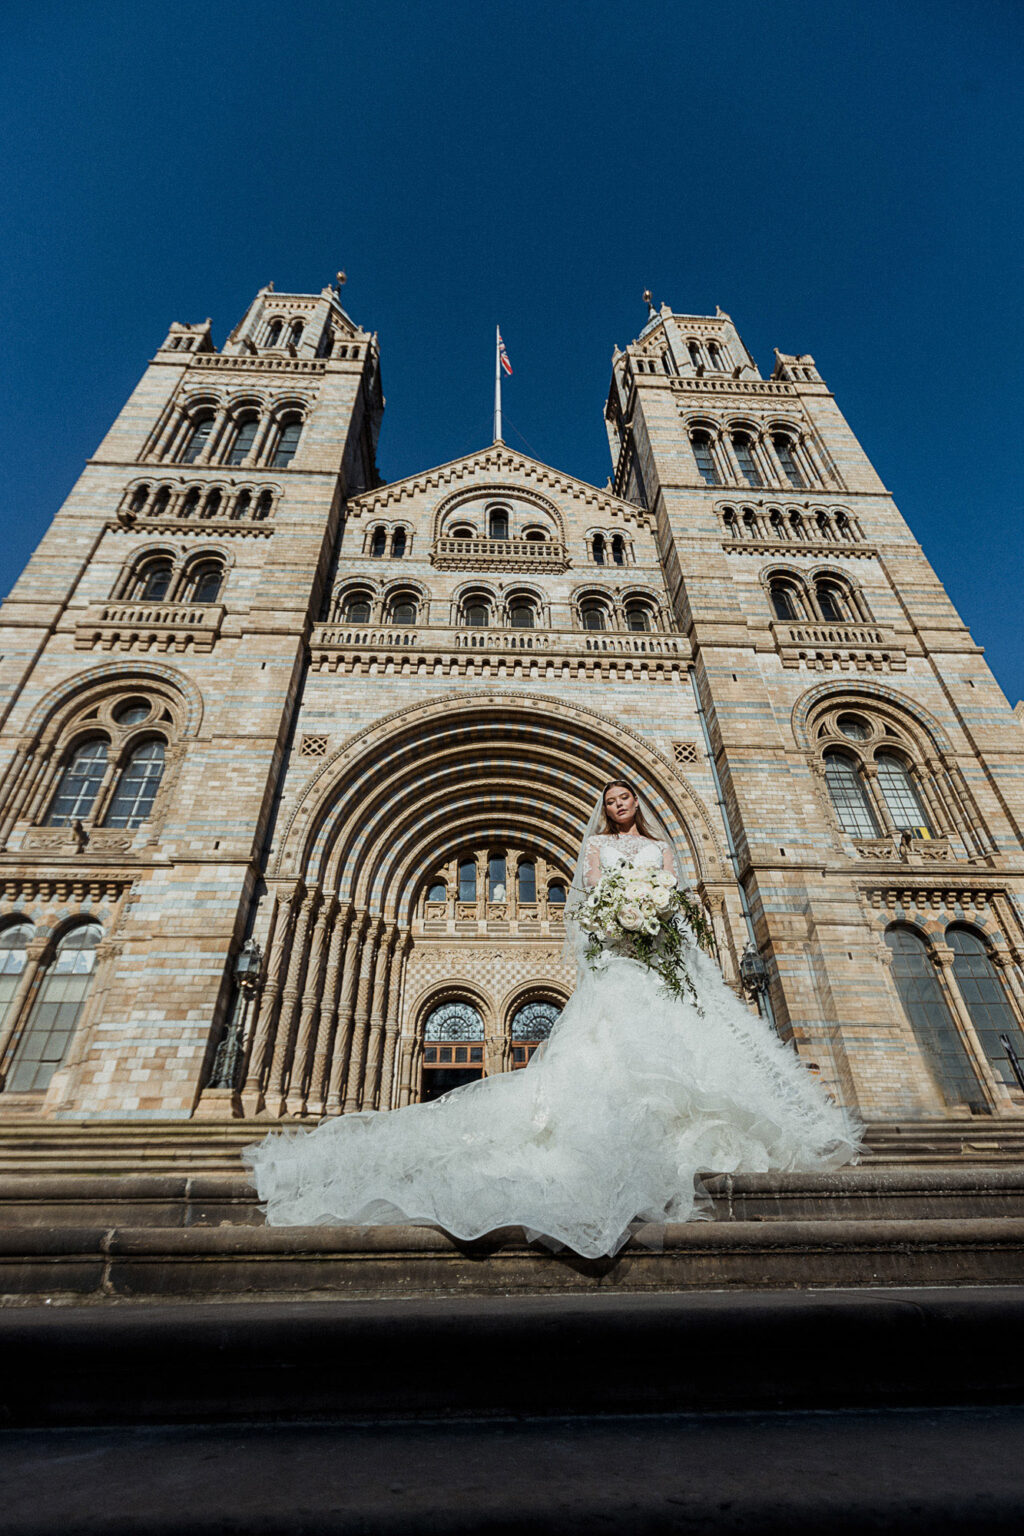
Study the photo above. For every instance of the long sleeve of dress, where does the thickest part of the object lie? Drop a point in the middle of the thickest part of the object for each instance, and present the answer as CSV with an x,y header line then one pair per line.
x,y
592,865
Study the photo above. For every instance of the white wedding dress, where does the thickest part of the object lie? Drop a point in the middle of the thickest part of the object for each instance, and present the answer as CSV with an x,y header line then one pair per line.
x,y
635,1093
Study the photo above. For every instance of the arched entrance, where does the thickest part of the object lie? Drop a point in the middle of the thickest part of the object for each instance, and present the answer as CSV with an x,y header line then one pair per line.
x,y
453,1047
436,844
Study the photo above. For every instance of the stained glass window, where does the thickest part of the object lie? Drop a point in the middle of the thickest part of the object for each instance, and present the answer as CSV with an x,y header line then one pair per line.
x,y
534,1021
454,1021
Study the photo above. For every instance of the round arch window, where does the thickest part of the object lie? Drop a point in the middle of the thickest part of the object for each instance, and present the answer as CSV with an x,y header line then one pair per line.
x,y
853,727
531,1026
133,712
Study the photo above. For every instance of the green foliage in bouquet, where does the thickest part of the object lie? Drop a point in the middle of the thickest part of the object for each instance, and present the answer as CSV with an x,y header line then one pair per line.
x,y
639,913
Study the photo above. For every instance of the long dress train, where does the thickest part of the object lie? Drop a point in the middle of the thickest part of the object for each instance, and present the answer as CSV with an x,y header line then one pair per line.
x,y
635,1093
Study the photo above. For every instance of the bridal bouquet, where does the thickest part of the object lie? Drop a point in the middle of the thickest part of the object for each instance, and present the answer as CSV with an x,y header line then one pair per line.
x,y
640,913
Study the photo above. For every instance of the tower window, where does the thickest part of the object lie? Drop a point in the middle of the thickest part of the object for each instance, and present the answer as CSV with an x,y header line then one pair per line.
x,y
379,543
274,330
287,444
618,549
849,796
830,603
398,544
357,609
211,506
264,505
206,583
783,600
694,351
297,329
156,581
705,459
637,617
520,614
900,795
498,523
137,786
403,611
79,784
202,428
598,549
593,616
242,504
477,613
527,877
784,450
244,439
745,459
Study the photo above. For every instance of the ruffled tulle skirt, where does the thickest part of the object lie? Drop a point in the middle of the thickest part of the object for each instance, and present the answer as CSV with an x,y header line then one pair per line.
x,y
635,1094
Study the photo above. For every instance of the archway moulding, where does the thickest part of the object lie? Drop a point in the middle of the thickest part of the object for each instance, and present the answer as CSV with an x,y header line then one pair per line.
x,y
497,491
432,994
135,676
325,791
867,691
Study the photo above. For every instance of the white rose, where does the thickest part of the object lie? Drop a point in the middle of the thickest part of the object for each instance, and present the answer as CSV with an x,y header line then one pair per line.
x,y
630,917
664,879
662,899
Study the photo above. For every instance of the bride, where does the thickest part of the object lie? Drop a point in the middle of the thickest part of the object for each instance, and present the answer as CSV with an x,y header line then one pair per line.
x,y
639,1089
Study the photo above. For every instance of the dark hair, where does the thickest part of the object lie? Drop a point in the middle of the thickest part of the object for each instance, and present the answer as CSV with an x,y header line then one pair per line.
x,y
641,824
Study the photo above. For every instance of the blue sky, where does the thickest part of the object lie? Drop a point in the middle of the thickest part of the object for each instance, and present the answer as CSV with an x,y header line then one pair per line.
x,y
842,180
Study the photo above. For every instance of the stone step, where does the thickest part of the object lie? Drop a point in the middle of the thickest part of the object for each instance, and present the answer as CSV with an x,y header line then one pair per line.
x,y
544,1356
183,1199
205,1263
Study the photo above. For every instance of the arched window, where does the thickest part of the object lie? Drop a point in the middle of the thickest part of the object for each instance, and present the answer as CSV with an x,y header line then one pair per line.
x,y
745,458
274,330
900,794
496,877
467,880
14,941
536,536
925,1006
245,436
783,600
138,499
521,613
160,502
593,615
242,503
598,548
831,601
438,891
778,526
79,784
263,506
211,506
729,518
379,543
531,1025
326,343
156,581
198,438
191,502
843,525
403,609
498,523
463,531
206,582
297,329
527,878
136,787
705,461
398,544
56,1010
749,523
618,549
477,613
714,356
796,522
784,451
824,523
985,997
638,617
556,894
287,443
694,351
849,796
357,608
454,1021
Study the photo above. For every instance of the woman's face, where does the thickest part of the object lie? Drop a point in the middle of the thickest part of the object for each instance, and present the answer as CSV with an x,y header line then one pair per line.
x,y
620,804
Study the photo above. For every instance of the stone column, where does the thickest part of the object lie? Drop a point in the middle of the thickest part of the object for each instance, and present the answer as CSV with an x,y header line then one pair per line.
x,y
35,955
317,1096
876,799
387,1095
342,1041
364,997
282,1057
310,1015
266,1007
373,1074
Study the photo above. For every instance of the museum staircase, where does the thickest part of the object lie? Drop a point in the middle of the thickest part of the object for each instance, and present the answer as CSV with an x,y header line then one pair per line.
x,y
830,1353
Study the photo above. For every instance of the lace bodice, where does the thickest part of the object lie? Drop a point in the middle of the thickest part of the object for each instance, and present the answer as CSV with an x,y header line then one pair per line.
x,y
606,851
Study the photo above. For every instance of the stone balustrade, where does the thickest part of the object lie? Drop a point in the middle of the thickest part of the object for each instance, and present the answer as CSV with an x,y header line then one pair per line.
x,y
499,555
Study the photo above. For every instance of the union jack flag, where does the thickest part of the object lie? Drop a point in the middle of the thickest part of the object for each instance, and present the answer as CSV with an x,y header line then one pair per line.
x,y
503,355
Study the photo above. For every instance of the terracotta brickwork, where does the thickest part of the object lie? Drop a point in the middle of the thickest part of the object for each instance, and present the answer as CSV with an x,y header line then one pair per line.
x,y
253,695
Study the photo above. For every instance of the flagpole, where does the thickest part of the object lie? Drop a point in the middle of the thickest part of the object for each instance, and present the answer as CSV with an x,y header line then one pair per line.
x,y
497,383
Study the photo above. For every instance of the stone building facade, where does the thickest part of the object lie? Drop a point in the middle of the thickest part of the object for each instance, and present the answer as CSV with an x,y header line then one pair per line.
x,y
295,764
